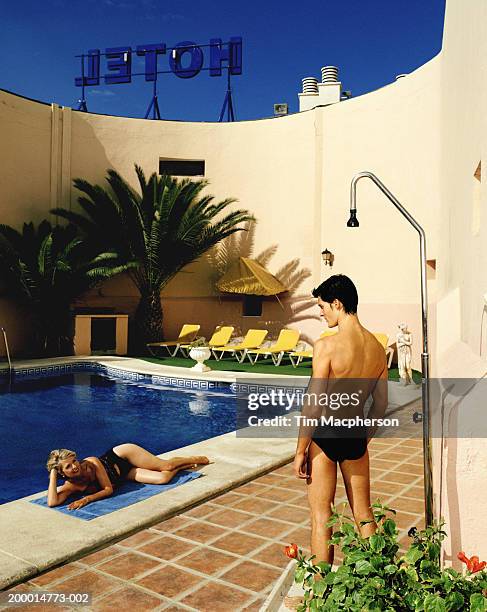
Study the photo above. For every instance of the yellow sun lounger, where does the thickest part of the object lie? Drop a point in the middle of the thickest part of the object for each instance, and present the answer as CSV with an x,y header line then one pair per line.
x,y
187,334
287,340
297,356
384,340
221,336
253,339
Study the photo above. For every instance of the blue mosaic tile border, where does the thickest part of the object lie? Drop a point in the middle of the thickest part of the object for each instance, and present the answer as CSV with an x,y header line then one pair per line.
x,y
240,388
94,367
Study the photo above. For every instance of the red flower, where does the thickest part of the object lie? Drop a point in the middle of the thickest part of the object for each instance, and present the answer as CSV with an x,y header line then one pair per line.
x,y
473,564
291,551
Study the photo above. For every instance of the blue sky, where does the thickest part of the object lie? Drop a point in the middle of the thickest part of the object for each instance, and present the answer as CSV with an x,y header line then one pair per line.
x,y
283,42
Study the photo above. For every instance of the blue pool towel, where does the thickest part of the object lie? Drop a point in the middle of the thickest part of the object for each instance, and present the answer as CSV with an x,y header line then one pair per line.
x,y
126,495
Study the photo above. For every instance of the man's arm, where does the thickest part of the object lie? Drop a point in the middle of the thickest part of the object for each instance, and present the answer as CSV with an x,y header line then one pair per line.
x,y
311,409
379,401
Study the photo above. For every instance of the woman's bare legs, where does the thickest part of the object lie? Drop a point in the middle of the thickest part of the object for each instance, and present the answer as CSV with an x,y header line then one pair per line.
x,y
149,469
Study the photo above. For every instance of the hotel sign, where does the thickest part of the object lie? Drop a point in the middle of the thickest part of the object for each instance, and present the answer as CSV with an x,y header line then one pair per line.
x,y
186,60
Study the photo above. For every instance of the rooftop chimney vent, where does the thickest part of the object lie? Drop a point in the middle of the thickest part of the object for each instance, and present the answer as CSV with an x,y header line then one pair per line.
x,y
329,74
310,85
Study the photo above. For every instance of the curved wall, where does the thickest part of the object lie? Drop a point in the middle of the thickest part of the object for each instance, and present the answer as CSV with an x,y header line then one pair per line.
x,y
292,173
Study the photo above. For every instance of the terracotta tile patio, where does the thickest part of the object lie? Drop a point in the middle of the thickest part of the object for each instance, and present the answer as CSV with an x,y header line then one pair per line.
x,y
227,553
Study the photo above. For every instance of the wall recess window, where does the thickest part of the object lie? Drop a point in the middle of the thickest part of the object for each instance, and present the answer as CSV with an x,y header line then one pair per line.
x,y
431,269
252,306
182,167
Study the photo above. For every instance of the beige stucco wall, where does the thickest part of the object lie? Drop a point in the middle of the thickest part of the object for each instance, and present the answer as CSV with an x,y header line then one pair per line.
x,y
462,278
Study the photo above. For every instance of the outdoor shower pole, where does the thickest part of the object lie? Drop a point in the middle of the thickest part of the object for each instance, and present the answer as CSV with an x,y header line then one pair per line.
x,y
427,460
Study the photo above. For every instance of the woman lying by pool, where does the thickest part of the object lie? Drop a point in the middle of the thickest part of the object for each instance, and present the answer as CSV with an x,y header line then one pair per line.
x,y
98,476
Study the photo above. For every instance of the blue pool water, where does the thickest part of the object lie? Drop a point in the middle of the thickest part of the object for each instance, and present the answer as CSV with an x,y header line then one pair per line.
x,y
90,413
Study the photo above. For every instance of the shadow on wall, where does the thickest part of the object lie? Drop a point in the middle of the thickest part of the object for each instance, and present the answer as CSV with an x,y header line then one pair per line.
x,y
88,160
291,308
188,301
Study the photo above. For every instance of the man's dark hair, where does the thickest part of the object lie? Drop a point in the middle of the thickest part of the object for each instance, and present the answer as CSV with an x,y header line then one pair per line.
x,y
338,287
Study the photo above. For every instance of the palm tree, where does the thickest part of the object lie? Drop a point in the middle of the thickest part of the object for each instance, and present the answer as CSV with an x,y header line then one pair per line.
x,y
44,270
160,230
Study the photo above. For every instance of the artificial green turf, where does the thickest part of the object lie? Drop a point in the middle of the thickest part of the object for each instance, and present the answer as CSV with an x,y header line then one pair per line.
x,y
394,375
263,366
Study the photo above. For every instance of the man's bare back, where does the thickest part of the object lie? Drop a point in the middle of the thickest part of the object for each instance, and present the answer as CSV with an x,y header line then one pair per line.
x,y
353,352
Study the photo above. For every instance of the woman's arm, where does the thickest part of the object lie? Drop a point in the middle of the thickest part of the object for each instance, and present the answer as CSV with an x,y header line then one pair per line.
x,y
106,487
56,495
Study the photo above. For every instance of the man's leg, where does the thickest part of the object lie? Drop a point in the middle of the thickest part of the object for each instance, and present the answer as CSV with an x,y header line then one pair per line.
x,y
357,484
321,486
321,494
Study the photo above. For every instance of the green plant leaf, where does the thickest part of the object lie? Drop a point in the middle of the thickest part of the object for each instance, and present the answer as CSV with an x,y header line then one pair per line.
x,y
319,587
377,542
323,567
454,601
411,573
478,603
315,605
333,520
413,555
390,569
434,603
356,555
363,567
389,527
434,551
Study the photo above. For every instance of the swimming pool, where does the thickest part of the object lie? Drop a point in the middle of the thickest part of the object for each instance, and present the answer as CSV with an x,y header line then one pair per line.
x,y
90,413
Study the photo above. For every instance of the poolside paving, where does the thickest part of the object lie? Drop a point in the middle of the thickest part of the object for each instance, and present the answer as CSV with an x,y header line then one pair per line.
x,y
227,553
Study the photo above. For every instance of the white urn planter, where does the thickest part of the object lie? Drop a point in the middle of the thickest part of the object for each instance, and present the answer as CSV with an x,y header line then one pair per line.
x,y
200,354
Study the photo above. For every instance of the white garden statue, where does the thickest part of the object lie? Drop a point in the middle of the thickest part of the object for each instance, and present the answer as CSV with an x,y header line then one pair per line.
x,y
404,342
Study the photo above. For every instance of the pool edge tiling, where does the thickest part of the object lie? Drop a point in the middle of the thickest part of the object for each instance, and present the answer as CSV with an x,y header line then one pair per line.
x,y
129,368
59,538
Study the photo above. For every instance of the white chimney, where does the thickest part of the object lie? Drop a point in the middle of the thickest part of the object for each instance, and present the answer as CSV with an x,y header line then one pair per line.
x,y
309,97
330,88
329,91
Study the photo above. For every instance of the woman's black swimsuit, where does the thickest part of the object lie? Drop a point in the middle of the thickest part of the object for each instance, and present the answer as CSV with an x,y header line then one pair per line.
x,y
109,460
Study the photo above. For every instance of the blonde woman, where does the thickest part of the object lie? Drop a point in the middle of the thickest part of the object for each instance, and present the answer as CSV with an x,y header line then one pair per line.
x,y
99,476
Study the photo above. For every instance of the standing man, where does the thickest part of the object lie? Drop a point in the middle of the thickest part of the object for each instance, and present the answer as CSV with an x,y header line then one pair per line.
x,y
354,360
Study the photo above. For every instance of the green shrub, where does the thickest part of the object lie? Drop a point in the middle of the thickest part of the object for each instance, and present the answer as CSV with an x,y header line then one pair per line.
x,y
375,578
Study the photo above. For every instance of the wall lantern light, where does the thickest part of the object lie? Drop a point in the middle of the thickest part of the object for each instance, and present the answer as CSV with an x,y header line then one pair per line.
x,y
328,257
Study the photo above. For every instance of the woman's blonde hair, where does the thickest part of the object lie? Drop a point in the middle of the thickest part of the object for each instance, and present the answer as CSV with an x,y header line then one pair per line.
x,y
55,458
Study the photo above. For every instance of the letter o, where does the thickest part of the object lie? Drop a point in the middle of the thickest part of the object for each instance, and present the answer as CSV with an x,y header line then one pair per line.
x,y
196,59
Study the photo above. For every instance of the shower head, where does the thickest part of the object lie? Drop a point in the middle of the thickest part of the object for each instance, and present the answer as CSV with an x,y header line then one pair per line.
x,y
353,221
